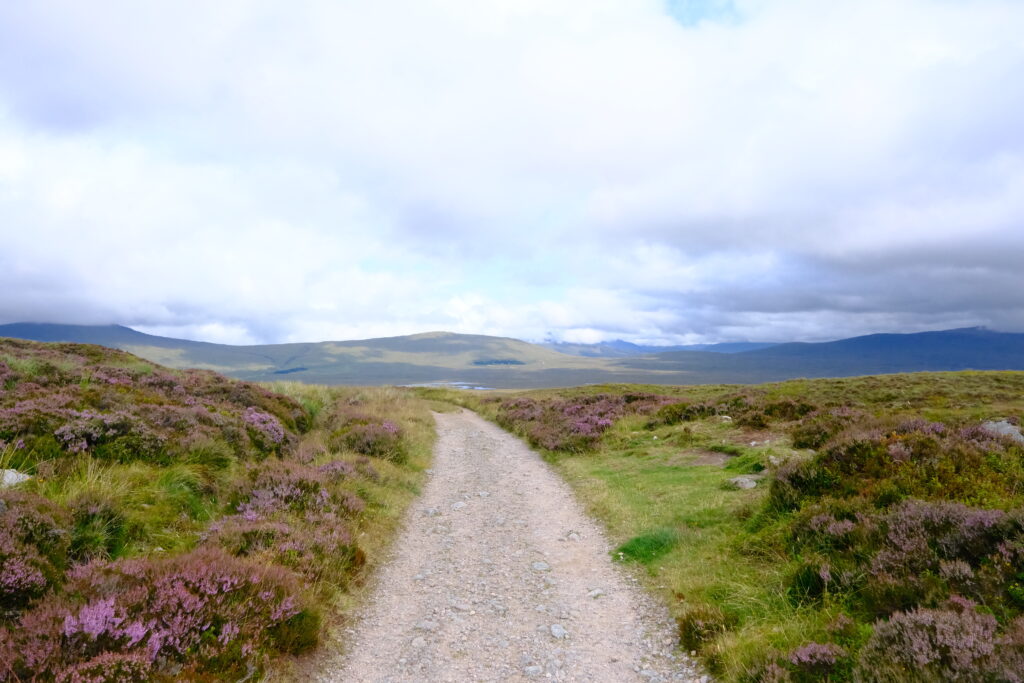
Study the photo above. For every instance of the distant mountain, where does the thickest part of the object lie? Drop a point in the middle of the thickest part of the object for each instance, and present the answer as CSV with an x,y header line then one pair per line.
x,y
971,348
419,358
510,363
625,349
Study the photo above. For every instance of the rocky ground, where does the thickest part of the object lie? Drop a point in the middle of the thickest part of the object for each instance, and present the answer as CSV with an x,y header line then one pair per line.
x,y
500,576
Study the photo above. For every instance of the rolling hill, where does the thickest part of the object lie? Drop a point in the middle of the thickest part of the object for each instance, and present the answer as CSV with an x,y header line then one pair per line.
x,y
502,362
624,349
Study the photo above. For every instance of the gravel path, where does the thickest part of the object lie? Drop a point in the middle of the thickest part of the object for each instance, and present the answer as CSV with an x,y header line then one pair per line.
x,y
500,576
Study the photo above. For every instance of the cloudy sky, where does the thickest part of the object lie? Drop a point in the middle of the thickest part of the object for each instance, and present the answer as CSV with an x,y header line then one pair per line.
x,y
666,172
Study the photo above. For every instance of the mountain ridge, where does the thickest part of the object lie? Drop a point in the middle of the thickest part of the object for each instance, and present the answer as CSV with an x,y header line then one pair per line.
x,y
504,362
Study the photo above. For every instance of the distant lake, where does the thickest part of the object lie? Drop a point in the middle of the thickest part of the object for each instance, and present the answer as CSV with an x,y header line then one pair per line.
x,y
450,385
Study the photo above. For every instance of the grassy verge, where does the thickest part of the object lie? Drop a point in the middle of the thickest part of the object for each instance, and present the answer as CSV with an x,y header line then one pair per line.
x,y
886,520
181,525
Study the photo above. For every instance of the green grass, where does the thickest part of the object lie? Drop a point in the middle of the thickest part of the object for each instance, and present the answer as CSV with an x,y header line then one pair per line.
x,y
647,548
717,554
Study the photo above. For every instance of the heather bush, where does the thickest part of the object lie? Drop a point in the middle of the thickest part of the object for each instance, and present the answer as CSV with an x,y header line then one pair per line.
x,y
319,546
702,623
916,459
284,486
109,667
815,661
379,439
953,643
196,611
34,542
788,409
572,424
65,399
133,464
682,411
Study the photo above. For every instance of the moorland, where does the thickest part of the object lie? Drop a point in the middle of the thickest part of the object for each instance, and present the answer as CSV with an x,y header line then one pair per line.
x,y
867,529
178,523
181,524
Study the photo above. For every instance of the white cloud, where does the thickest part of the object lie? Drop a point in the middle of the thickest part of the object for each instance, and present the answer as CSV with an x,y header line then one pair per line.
x,y
312,170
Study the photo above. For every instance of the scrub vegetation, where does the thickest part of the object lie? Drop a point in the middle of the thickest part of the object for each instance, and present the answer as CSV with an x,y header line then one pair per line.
x,y
182,525
883,540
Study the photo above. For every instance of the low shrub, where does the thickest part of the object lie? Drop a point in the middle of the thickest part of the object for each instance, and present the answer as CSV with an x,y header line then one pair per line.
x,y
109,667
953,643
379,439
683,411
571,424
34,542
702,623
66,399
284,486
187,613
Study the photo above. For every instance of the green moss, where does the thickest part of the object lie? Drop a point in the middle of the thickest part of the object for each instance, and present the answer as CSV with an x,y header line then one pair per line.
x,y
648,547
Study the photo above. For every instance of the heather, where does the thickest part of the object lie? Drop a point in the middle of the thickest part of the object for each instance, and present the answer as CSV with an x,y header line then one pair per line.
x,y
883,539
179,524
570,424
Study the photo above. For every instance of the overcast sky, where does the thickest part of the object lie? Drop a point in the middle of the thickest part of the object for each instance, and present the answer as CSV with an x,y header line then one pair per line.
x,y
662,172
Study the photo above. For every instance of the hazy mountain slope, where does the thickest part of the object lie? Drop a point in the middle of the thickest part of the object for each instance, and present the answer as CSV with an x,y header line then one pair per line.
x,y
624,349
428,357
963,349
509,363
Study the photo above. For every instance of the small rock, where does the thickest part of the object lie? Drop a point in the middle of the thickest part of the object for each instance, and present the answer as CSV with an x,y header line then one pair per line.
x,y
650,674
532,671
419,641
724,418
461,606
484,494
573,536
596,593
458,506
427,625
1003,428
541,566
429,471
742,482
12,478
558,631
431,512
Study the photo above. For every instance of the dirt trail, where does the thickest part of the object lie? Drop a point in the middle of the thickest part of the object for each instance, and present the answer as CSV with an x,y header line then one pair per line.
x,y
500,576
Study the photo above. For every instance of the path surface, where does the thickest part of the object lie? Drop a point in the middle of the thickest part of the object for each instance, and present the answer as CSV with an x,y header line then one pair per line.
x,y
500,576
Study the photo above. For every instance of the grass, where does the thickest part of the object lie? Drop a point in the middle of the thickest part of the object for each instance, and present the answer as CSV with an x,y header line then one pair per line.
x,y
697,555
724,560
